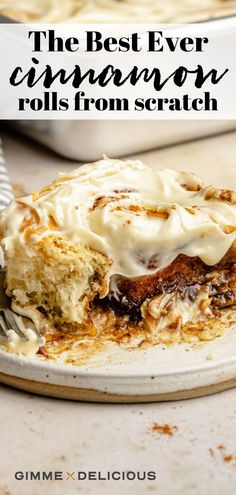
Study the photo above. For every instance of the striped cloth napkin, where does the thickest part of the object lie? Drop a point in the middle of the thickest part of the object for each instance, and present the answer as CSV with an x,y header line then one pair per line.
x,y
6,193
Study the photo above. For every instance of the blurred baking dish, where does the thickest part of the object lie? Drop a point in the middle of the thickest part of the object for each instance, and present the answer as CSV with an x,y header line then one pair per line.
x,y
88,140
116,10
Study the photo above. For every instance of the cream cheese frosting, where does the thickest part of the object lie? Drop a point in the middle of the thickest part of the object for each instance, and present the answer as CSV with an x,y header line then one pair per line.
x,y
30,341
111,11
141,219
28,346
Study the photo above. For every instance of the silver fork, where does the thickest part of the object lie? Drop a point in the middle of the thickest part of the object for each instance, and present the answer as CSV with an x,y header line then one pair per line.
x,y
8,318
10,322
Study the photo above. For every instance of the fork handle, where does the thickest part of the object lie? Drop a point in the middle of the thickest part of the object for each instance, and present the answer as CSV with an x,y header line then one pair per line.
x,y
6,194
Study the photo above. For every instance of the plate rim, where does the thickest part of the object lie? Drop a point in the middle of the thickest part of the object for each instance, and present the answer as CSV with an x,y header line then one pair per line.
x,y
95,371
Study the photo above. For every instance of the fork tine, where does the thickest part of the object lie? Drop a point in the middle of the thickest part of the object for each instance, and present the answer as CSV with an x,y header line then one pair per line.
x,y
2,333
10,322
2,323
21,325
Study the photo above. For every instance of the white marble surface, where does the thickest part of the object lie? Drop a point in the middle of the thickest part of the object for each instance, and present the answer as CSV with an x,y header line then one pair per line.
x,y
38,433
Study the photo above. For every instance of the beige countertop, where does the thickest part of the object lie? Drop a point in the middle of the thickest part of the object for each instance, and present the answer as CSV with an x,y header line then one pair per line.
x,y
38,433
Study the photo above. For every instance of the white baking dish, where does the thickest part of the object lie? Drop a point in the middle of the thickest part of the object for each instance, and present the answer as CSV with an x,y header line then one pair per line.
x,y
88,140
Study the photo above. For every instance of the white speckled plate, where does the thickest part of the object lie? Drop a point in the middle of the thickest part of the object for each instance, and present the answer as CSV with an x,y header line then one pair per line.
x,y
119,375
